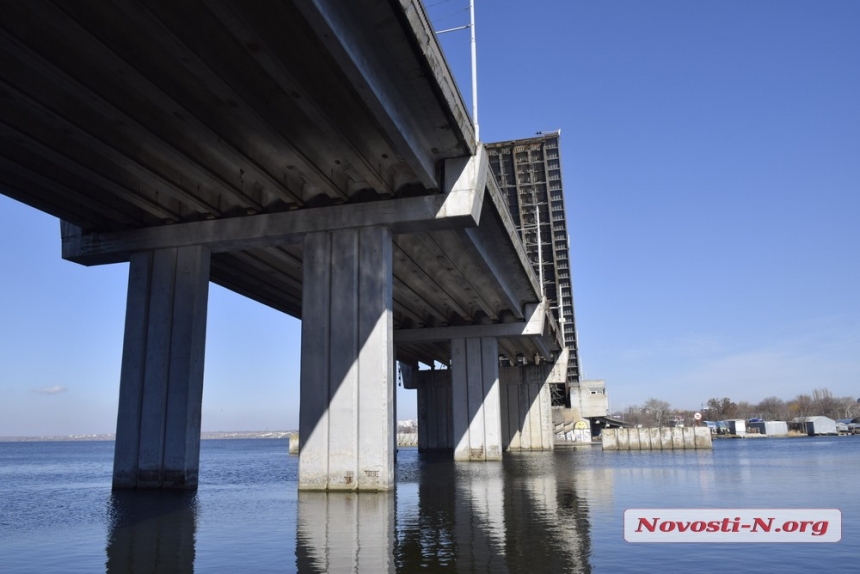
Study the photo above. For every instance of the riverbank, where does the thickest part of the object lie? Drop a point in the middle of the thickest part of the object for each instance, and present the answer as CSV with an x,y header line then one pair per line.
x,y
217,435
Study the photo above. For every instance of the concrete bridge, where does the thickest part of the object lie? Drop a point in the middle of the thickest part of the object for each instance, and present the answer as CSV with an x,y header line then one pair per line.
x,y
312,155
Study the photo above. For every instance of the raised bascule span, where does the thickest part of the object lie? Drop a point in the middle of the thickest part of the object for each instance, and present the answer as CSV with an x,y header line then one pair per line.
x,y
312,155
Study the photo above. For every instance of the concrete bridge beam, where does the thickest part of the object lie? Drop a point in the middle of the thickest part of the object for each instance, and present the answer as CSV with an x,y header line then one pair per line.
x,y
161,384
346,418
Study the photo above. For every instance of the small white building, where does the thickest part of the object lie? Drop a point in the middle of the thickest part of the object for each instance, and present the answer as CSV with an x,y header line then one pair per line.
x,y
820,425
770,428
593,399
737,427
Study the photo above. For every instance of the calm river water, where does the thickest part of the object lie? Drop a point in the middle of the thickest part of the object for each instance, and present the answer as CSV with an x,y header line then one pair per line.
x,y
537,512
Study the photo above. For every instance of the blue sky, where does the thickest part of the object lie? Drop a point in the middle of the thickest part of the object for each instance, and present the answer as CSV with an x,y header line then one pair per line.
x,y
711,162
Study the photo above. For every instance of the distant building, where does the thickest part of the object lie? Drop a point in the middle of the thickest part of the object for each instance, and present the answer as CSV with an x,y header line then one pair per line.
x,y
769,428
528,172
592,399
813,426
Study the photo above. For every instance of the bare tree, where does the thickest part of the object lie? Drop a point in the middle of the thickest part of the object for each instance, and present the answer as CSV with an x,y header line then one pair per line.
x,y
849,408
801,406
745,410
660,411
772,408
722,408
634,415
824,403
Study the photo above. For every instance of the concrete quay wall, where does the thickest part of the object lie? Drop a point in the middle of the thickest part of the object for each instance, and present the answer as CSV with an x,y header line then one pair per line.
x,y
689,438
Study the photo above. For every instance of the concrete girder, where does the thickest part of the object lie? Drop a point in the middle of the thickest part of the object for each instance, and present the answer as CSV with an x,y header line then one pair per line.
x,y
256,41
179,122
408,215
232,272
42,187
534,325
144,140
71,167
425,276
408,293
537,334
344,28
194,50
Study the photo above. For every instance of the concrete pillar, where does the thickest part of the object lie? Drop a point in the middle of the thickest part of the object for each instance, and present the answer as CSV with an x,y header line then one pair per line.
x,y
346,418
435,423
527,407
161,385
476,407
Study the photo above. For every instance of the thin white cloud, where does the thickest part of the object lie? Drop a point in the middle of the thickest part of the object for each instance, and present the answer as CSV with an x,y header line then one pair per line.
x,y
55,390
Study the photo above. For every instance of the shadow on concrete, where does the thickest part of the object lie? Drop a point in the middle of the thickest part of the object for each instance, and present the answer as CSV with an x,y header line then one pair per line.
x,y
518,402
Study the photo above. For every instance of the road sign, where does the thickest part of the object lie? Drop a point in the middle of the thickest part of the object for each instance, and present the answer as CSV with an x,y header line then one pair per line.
x,y
697,416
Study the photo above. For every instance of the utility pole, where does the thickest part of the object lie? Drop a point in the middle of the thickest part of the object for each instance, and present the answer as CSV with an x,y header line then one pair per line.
x,y
474,71
474,64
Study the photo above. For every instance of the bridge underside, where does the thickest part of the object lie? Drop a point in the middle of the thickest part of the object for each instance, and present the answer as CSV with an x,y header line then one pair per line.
x,y
313,155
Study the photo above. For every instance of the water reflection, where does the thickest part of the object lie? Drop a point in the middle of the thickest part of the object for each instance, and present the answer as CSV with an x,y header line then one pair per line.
x,y
345,532
547,520
523,514
151,531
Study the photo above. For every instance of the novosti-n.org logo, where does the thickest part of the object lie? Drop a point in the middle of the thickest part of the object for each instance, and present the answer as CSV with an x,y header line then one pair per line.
x,y
770,525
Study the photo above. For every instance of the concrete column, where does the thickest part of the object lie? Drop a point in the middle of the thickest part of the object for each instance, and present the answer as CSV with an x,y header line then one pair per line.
x,y
435,424
527,406
346,416
161,385
476,407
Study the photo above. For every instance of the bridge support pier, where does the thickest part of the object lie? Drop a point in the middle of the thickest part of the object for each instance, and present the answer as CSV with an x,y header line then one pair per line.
x,y
346,418
435,423
161,385
476,409
527,406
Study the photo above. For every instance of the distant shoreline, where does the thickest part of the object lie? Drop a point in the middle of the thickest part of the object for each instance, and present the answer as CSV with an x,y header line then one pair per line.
x,y
111,437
